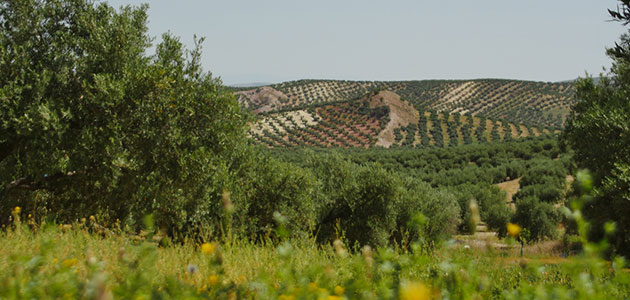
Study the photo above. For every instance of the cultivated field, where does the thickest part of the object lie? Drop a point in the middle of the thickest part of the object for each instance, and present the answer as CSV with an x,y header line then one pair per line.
x,y
531,103
382,119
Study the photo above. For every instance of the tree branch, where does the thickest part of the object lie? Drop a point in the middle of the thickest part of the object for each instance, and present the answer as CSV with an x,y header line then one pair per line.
x,y
28,183
622,14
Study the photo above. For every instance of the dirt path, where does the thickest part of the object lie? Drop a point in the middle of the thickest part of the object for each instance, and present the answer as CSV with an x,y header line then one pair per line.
x,y
510,187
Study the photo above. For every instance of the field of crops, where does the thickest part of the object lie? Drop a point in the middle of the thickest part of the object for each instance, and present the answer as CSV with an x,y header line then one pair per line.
x,y
521,102
341,125
345,125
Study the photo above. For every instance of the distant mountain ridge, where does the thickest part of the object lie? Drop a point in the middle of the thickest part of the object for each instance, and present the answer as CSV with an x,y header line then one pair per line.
x,y
595,79
250,84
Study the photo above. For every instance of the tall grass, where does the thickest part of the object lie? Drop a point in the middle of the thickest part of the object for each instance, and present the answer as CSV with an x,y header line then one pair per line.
x,y
84,261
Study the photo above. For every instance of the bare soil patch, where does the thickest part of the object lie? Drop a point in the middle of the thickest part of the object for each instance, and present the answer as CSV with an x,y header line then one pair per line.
x,y
401,113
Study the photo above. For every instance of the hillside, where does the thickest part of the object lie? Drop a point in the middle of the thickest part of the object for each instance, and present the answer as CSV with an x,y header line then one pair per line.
x,y
381,119
522,102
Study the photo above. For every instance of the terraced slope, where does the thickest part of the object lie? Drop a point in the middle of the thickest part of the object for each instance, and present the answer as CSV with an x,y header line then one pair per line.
x,y
381,119
522,102
350,124
444,129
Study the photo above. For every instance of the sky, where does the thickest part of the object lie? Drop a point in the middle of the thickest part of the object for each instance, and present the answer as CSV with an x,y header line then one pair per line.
x,y
250,41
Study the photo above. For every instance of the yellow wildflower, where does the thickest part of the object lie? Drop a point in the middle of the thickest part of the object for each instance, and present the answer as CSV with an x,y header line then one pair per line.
x,y
241,278
213,279
202,288
312,286
208,248
513,229
286,297
339,290
17,210
67,263
415,291
333,297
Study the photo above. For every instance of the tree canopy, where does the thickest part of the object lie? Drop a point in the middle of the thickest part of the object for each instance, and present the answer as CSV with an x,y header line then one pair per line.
x,y
599,131
92,124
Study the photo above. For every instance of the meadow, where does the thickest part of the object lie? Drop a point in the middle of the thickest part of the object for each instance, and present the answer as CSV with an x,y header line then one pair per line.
x,y
81,260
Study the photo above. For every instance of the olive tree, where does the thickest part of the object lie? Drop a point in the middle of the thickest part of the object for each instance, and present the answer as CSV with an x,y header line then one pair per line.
x,y
599,131
92,124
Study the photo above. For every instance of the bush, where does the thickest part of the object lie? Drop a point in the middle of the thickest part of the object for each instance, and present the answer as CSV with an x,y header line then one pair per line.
x,y
539,218
543,192
276,186
439,206
491,202
358,201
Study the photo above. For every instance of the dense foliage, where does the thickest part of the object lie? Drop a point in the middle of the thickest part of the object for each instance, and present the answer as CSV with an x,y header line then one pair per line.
x,y
470,172
92,125
599,131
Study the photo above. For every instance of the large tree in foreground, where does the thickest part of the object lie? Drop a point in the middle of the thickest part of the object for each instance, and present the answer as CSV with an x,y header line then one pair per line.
x,y
599,131
91,124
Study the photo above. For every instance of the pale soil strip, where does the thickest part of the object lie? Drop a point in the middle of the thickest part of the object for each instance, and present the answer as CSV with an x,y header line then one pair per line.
x,y
510,187
489,126
514,131
417,139
401,114
444,130
457,93
302,119
495,99
525,131
536,131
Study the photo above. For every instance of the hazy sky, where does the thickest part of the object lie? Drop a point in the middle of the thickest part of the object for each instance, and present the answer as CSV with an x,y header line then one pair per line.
x,y
272,41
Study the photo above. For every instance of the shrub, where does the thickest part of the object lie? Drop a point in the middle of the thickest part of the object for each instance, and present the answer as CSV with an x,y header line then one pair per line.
x,y
544,192
438,206
360,201
539,218
281,187
491,202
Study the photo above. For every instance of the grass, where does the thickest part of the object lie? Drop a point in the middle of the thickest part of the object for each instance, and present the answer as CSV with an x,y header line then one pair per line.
x,y
77,261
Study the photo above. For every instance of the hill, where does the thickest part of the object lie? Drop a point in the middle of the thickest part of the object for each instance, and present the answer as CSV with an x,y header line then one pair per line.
x,y
380,118
522,102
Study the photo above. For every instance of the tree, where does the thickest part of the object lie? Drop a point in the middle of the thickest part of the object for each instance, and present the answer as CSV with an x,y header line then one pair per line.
x,y
599,131
539,218
90,124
